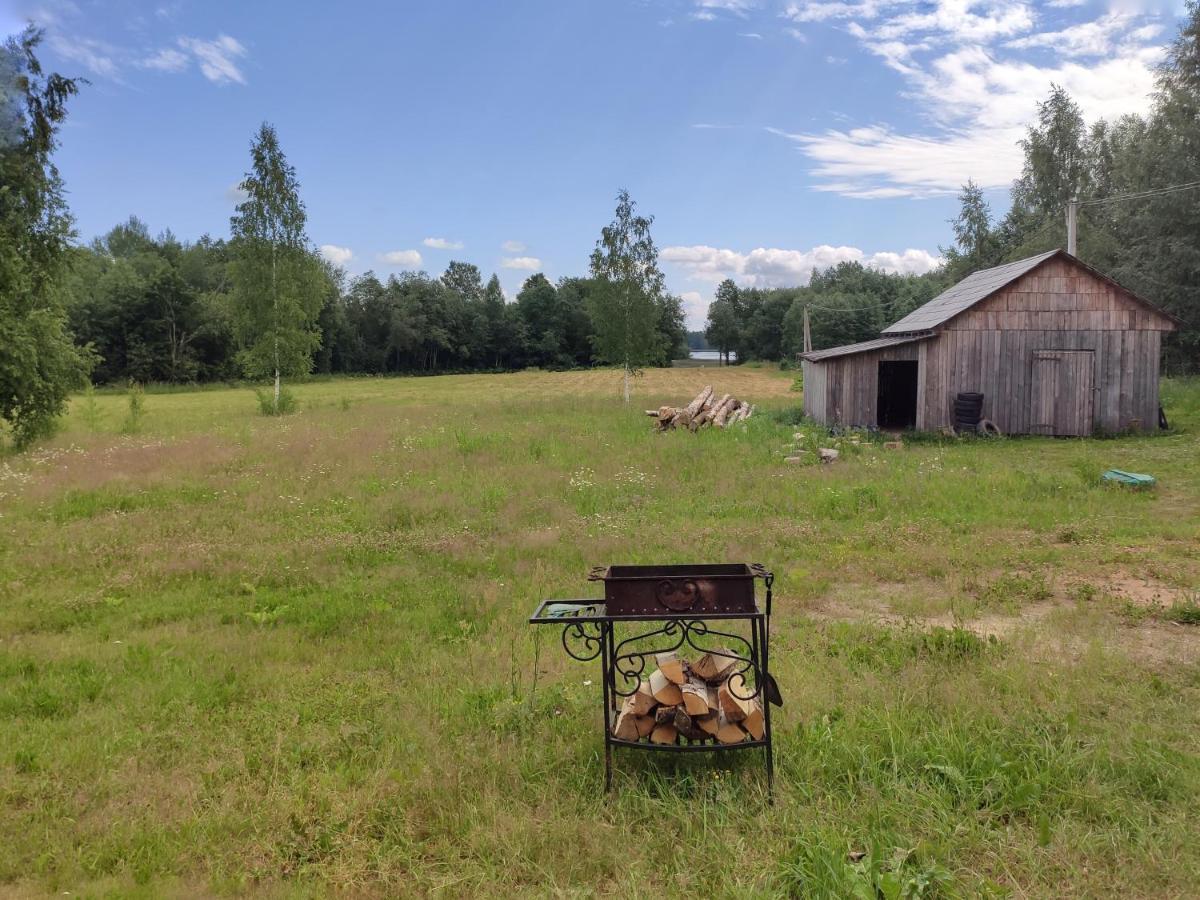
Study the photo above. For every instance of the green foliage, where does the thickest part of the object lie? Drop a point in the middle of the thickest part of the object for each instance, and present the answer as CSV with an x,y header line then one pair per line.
x,y
278,284
137,410
39,364
89,410
284,405
1183,612
634,322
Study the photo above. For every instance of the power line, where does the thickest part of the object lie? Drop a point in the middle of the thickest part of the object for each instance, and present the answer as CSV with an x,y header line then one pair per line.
x,y
1155,192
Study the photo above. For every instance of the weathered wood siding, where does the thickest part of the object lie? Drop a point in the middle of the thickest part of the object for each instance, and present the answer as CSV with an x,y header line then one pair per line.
x,y
1057,306
844,390
990,349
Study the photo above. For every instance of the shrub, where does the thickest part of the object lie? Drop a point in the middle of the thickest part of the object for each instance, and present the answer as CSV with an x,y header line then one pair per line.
x,y
268,407
137,409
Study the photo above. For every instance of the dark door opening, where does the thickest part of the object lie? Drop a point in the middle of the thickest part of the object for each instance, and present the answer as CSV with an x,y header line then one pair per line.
x,y
897,394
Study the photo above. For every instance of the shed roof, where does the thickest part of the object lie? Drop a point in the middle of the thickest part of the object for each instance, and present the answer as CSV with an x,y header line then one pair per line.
x,y
982,284
975,287
864,347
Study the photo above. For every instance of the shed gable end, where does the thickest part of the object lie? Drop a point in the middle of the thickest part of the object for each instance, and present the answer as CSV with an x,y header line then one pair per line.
x,y
1061,295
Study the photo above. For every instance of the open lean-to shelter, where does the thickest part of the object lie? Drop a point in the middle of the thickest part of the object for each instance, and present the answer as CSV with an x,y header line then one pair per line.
x,y
1054,346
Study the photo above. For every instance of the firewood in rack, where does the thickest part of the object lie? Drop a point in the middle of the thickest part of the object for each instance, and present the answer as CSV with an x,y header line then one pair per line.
x,y
714,666
664,715
642,702
671,666
687,726
730,732
733,707
695,697
754,722
626,728
644,725
664,691
664,734
709,724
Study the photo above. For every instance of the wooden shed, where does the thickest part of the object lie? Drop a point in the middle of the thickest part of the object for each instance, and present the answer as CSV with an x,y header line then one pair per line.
x,y
1054,346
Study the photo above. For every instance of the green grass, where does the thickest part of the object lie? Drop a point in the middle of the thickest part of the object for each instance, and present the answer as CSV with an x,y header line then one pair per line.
x,y
246,654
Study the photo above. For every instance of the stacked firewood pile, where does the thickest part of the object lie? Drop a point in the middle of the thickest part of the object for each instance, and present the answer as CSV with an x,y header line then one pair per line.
x,y
706,409
699,701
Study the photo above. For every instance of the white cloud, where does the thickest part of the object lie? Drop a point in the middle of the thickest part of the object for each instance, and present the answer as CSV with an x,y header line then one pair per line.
x,y
524,263
339,256
512,247
442,244
98,57
234,193
737,7
695,309
753,35
967,71
408,259
1098,38
217,58
773,267
166,60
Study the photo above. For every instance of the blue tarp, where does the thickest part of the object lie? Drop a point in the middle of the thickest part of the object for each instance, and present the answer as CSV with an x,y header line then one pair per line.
x,y
1132,478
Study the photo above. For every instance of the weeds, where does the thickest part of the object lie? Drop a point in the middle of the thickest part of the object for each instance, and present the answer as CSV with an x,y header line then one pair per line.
x,y
137,410
267,405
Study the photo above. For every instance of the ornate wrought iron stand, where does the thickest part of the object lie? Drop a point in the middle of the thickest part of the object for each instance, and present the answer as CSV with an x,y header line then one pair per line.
x,y
591,631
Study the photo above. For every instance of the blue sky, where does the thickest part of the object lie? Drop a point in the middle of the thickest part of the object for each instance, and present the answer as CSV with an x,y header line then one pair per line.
x,y
765,136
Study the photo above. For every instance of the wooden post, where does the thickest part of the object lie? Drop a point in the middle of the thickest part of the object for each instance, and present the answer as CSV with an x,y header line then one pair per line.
x,y
1072,224
807,333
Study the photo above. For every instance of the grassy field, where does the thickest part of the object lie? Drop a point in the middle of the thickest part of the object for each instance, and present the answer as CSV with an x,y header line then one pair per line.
x,y
289,656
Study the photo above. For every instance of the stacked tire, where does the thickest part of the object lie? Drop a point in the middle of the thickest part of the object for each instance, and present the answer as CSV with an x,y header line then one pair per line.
x,y
968,410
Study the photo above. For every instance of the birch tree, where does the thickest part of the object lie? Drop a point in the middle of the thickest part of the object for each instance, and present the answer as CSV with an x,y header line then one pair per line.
x,y
277,282
629,287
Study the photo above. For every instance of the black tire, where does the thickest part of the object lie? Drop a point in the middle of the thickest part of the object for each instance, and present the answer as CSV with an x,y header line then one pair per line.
x,y
990,428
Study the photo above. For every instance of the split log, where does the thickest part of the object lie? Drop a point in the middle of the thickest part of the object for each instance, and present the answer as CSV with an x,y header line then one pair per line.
x,y
644,725
733,707
626,728
664,690
754,722
665,734
642,702
664,715
671,666
709,724
686,725
714,666
730,732
695,697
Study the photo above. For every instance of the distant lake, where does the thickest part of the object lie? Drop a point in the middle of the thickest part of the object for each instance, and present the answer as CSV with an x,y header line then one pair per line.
x,y
710,354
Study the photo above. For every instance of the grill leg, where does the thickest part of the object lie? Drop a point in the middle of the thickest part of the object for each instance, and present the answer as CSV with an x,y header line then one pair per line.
x,y
769,750
606,676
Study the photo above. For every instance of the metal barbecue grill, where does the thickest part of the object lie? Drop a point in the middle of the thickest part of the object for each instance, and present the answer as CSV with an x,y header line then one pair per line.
x,y
708,608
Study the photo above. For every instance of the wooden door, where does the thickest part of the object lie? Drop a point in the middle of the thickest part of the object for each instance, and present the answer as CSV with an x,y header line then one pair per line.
x,y
1061,399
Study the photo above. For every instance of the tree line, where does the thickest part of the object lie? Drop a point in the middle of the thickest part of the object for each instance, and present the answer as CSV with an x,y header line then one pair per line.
x,y
157,309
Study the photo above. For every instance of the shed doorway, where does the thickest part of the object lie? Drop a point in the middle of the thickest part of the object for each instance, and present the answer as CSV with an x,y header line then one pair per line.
x,y
897,407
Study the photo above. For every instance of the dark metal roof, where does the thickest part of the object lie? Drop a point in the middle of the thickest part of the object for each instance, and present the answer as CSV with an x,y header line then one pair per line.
x,y
975,287
864,347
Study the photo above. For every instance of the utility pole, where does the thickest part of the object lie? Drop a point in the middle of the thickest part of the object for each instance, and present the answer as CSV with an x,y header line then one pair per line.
x,y
1072,224
807,333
